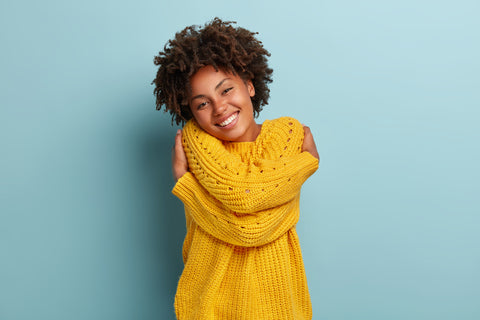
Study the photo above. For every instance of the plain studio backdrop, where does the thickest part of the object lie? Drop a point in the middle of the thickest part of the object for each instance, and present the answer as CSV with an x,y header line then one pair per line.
x,y
389,223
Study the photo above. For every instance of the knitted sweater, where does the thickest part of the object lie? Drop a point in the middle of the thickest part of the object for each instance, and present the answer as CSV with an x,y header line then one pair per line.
x,y
241,253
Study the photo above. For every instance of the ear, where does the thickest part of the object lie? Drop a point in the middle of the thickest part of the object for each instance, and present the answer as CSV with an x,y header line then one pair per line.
x,y
251,88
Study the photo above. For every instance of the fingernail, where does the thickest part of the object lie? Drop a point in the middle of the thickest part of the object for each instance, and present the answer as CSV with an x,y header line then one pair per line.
x,y
179,131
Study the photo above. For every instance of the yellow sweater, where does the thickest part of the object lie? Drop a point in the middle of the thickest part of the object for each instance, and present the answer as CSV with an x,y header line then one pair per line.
x,y
241,253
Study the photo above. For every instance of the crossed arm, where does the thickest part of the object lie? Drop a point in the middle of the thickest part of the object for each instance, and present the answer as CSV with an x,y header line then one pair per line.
x,y
180,164
246,219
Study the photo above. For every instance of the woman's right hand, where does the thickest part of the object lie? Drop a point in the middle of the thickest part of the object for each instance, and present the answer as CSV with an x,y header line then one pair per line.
x,y
308,143
179,159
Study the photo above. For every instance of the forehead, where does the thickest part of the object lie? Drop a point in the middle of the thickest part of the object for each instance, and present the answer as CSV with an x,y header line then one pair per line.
x,y
207,78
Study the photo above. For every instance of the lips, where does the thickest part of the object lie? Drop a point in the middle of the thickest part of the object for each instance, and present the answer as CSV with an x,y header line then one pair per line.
x,y
229,120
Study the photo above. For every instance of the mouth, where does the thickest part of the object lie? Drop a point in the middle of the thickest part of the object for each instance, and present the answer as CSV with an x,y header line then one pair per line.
x,y
228,121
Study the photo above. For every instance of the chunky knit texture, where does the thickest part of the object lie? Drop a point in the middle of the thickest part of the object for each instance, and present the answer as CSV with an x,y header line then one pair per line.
x,y
241,252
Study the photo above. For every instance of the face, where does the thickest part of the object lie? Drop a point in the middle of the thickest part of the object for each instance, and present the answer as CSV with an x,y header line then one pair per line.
x,y
221,104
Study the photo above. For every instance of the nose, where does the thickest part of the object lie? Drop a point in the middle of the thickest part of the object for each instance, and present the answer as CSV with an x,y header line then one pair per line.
x,y
219,108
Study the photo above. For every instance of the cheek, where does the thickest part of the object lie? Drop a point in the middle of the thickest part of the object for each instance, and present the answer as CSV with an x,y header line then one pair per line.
x,y
202,119
242,100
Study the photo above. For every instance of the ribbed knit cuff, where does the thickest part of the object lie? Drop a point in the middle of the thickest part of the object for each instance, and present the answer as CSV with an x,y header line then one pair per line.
x,y
184,188
312,163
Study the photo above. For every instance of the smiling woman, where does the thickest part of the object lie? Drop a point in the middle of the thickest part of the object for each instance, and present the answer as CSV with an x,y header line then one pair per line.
x,y
239,181
219,44
221,104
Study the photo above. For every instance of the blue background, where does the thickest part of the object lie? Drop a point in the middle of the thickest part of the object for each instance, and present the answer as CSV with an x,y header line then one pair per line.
x,y
390,222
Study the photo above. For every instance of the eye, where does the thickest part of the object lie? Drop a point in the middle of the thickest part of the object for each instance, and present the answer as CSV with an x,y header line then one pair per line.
x,y
201,105
227,90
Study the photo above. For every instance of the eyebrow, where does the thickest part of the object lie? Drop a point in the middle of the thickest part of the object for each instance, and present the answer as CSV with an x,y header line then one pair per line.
x,y
216,88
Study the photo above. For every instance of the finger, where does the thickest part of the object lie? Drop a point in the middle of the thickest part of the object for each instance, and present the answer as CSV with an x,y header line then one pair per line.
x,y
178,140
306,131
179,151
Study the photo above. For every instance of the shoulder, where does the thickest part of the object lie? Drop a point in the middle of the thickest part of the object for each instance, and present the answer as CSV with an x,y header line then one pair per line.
x,y
284,134
190,127
195,138
286,124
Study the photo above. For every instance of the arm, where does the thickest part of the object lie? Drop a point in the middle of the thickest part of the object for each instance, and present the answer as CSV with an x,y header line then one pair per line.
x,y
234,228
249,187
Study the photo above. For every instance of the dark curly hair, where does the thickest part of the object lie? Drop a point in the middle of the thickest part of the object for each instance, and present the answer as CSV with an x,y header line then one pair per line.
x,y
219,44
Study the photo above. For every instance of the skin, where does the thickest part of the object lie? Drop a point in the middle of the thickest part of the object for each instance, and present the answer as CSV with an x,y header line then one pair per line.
x,y
218,98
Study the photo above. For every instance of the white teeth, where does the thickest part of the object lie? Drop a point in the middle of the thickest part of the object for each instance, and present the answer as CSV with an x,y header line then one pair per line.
x,y
229,120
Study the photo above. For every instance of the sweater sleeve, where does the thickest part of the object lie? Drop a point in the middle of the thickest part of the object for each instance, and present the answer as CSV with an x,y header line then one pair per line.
x,y
232,227
247,187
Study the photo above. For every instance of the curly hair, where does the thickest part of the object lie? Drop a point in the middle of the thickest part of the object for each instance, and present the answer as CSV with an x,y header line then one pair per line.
x,y
219,44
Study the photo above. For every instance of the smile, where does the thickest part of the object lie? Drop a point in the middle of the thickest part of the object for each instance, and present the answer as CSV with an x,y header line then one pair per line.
x,y
229,120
